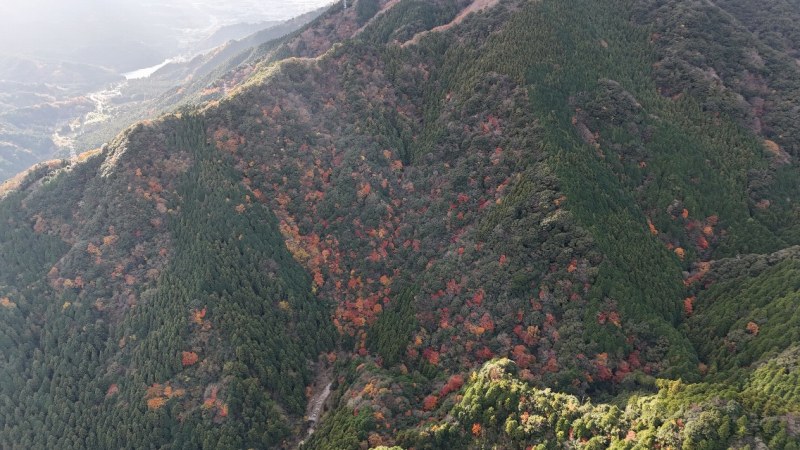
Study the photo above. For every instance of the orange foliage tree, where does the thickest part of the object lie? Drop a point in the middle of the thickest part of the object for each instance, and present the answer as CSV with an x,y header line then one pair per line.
x,y
476,429
688,305
156,402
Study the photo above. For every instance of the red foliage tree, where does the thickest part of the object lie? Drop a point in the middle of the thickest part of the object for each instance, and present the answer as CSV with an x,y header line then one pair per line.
x,y
484,353
601,364
453,384
486,322
431,355
430,402
522,357
477,299
552,365
189,358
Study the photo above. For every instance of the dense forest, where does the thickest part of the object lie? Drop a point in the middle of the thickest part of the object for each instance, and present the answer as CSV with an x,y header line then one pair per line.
x,y
490,224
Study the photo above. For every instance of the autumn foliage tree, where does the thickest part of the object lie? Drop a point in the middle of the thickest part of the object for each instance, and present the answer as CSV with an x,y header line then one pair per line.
x,y
189,358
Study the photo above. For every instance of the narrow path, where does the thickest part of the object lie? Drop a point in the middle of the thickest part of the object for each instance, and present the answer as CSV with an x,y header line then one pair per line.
x,y
475,6
316,404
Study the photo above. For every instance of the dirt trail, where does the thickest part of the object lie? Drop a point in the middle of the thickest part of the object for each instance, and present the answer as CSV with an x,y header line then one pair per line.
x,y
316,404
386,7
475,6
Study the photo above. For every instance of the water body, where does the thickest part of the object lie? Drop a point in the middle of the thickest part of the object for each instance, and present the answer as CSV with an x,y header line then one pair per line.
x,y
147,71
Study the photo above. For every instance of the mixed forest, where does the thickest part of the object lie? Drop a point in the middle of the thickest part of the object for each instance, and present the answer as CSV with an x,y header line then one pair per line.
x,y
480,224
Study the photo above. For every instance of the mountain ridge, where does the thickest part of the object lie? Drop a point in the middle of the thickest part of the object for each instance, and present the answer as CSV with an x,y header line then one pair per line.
x,y
528,184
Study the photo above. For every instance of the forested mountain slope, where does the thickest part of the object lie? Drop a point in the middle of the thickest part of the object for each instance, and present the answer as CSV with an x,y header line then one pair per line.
x,y
543,224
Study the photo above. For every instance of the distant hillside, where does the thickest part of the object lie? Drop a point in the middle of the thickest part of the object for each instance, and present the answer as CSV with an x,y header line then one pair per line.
x,y
443,224
232,33
205,77
39,98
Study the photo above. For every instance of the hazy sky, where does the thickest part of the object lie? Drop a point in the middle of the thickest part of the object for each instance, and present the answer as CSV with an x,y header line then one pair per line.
x,y
81,30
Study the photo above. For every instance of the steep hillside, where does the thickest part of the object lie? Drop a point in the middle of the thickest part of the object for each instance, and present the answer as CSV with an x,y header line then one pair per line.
x,y
135,313
515,224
